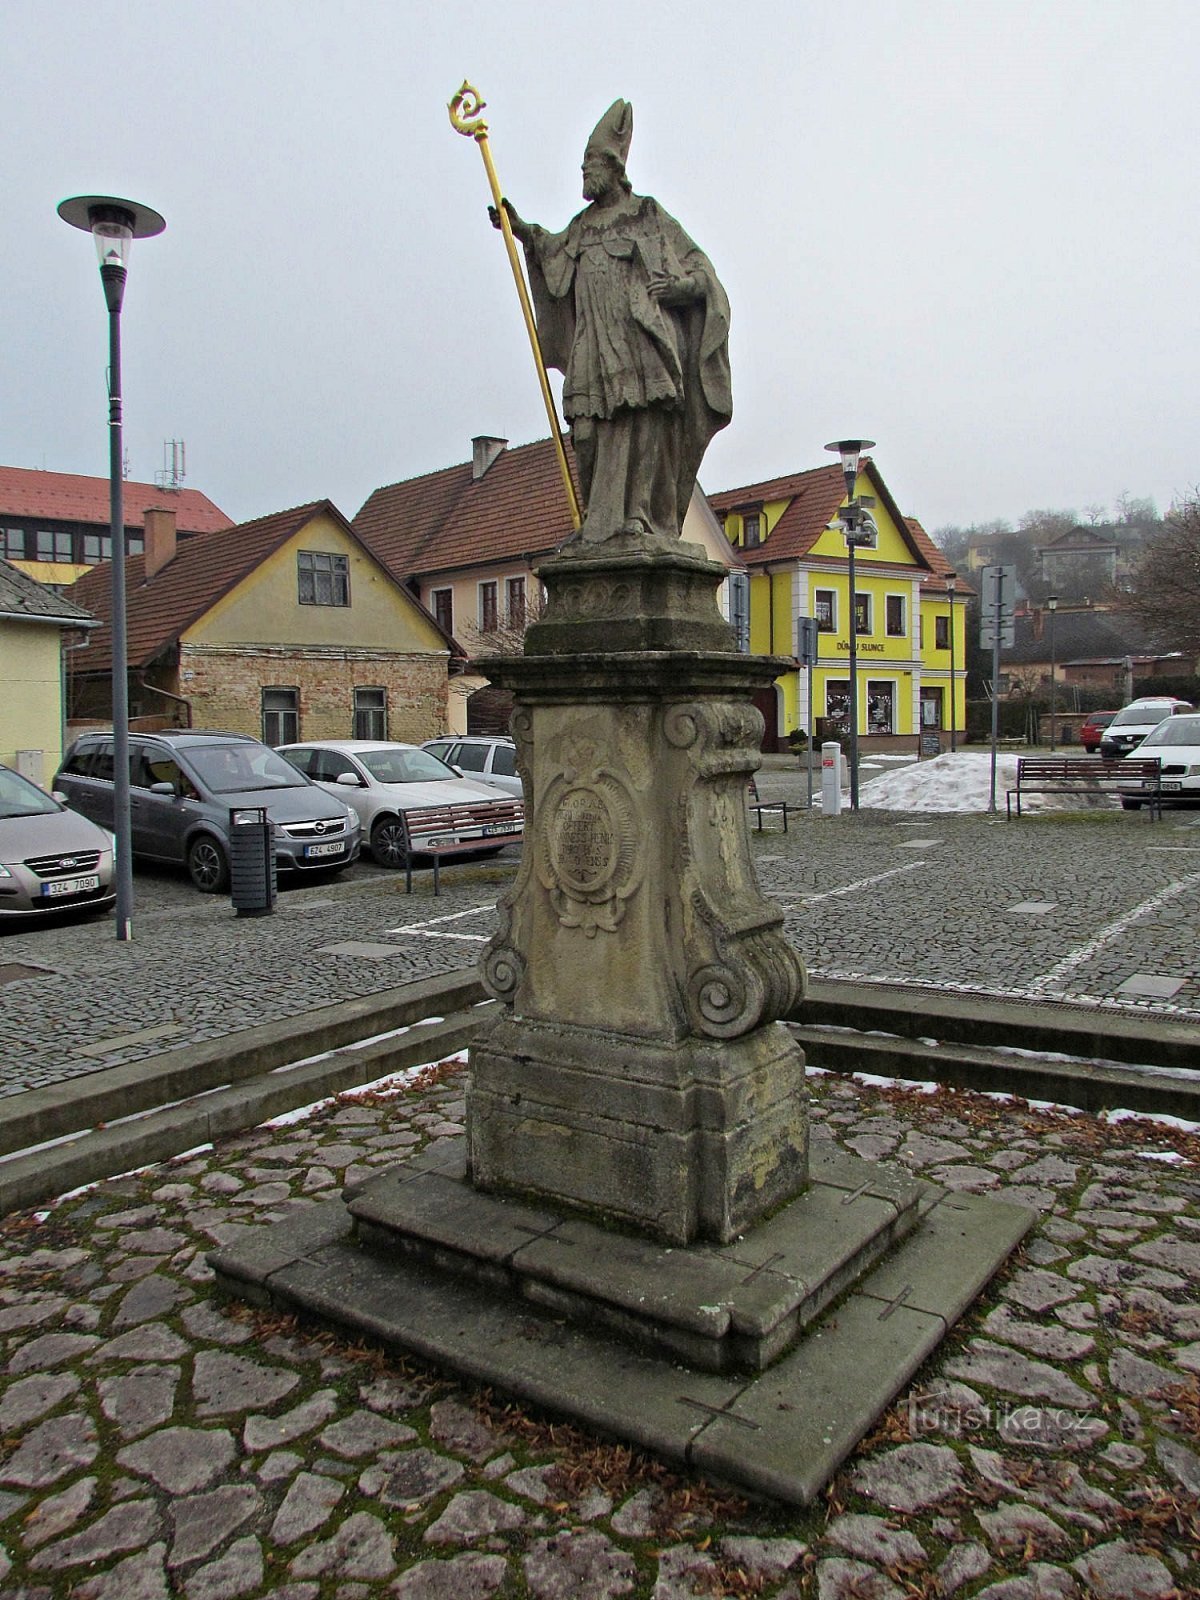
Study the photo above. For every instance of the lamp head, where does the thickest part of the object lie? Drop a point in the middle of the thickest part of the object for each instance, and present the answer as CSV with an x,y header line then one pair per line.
x,y
112,223
1051,602
850,451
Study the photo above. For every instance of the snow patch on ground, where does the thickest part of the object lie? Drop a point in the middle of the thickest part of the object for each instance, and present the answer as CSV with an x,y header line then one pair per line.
x,y
962,781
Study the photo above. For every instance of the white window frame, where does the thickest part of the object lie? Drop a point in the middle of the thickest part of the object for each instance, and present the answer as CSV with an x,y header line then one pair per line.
x,y
903,600
866,597
833,609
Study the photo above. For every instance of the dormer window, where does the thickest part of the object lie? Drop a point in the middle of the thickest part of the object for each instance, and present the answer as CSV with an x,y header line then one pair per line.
x,y
751,529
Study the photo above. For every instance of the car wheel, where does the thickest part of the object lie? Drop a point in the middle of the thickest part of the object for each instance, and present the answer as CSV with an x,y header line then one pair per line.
x,y
387,842
207,865
1131,805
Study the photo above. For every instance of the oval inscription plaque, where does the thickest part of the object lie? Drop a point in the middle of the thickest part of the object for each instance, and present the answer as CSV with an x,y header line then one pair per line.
x,y
584,844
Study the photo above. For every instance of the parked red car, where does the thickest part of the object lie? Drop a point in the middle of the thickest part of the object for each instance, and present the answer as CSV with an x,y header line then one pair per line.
x,y
1091,731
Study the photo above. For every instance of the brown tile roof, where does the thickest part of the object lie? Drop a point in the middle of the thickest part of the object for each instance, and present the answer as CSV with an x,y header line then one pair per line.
x,y
446,520
203,569
66,497
22,596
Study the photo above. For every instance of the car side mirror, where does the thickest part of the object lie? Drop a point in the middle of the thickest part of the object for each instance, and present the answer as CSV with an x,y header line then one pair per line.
x,y
163,788
349,780
63,800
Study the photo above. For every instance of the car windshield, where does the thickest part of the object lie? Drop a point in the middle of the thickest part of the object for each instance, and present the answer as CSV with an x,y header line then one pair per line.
x,y
20,798
1139,716
405,766
236,768
1174,730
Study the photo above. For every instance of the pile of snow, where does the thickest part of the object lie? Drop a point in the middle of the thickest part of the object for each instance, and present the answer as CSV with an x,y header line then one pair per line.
x,y
962,782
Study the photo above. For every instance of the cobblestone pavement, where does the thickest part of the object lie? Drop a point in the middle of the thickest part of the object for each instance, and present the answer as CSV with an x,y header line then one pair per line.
x,y
154,1443
1088,907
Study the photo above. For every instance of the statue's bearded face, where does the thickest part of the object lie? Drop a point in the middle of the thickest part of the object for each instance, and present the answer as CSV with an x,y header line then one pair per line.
x,y
600,175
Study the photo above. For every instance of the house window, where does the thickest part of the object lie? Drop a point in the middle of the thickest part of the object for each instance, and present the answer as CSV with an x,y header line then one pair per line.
x,y
54,546
14,544
739,609
370,713
862,613
487,607
941,632
514,602
280,716
324,579
895,616
751,529
97,547
443,609
825,610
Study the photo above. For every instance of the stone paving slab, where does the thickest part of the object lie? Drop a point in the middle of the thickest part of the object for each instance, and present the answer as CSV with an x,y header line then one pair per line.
x,y
301,1467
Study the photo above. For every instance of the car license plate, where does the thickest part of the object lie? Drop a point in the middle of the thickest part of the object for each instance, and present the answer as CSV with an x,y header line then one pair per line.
x,y
501,827
1168,787
334,847
69,886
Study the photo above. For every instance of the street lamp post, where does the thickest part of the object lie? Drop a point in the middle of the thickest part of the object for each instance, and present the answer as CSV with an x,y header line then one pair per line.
x,y
858,529
114,224
951,581
1052,607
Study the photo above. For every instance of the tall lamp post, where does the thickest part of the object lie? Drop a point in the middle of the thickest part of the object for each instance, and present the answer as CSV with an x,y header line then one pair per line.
x,y
858,529
951,581
114,224
1052,607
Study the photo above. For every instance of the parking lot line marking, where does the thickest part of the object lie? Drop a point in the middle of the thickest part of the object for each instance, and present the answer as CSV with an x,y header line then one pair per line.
x,y
453,916
473,938
1063,969
853,888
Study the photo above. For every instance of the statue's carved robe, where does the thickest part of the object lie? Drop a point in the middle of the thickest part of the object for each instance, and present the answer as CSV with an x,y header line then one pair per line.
x,y
646,385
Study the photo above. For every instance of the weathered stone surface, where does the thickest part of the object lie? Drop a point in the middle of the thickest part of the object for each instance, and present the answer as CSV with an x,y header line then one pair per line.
x,y
1041,1582
1020,1527
206,1321
963,1565
1178,1255
309,1502
1183,1464
138,1577
685,1572
126,1527
1057,1344
1106,1272
1006,1370
222,1382
361,1548
30,1312
56,1513
364,1433
55,1447
1132,1374
873,1539
239,1571
1037,1290
1117,1571
839,1579
911,1477
152,1241
29,1398
153,1296
455,1427
203,1521
474,1514
151,1342
139,1400
766,1558
578,1565
266,1433
470,1576
181,1460
410,1478
51,1350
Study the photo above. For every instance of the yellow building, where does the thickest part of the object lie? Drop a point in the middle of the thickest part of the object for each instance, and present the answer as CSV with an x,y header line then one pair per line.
x,y
37,626
910,624
286,627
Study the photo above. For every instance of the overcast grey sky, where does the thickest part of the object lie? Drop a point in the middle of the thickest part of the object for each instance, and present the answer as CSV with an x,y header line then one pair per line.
x,y
965,228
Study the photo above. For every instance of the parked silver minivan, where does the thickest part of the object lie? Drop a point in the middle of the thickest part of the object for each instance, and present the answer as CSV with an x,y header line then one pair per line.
x,y
182,786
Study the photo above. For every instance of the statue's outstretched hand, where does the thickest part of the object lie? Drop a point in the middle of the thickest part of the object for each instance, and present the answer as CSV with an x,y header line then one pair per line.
x,y
520,229
672,291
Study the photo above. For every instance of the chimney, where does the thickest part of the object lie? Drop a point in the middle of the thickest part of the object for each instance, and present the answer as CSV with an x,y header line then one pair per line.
x,y
160,538
1039,623
484,450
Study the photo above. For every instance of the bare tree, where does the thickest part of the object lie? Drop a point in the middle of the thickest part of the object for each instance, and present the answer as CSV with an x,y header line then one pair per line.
x,y
1163,592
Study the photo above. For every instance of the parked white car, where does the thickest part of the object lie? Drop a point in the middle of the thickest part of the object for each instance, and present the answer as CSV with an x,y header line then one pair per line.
x,y
1176,744
486,757
1134,722
379,780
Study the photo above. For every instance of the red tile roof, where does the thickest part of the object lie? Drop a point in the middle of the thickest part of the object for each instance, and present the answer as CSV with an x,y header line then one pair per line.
x,y
446,520
66,497
204,568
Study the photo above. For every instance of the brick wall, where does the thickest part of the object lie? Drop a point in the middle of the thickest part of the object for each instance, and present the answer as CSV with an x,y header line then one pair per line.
x,y
225,684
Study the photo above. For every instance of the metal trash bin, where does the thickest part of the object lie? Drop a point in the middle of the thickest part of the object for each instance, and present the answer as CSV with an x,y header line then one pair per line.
x,y
253,879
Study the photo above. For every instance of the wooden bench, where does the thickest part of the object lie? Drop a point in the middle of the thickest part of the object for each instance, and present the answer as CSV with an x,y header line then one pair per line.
x,y
1087,775
758,805
437,831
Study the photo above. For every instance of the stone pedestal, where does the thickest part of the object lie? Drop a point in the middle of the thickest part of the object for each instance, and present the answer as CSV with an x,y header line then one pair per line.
x,y
639,1072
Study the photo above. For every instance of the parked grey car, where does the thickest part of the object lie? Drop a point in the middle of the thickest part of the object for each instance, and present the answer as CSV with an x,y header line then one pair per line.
x,y
50,858
381,779
486,757
182,786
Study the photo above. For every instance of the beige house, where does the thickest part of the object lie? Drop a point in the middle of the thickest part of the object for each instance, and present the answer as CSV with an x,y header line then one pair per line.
x,y
467,541
38,628
287,627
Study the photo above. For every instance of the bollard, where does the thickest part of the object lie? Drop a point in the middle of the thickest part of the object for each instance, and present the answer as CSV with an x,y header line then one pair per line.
x,y
831,779
252,873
